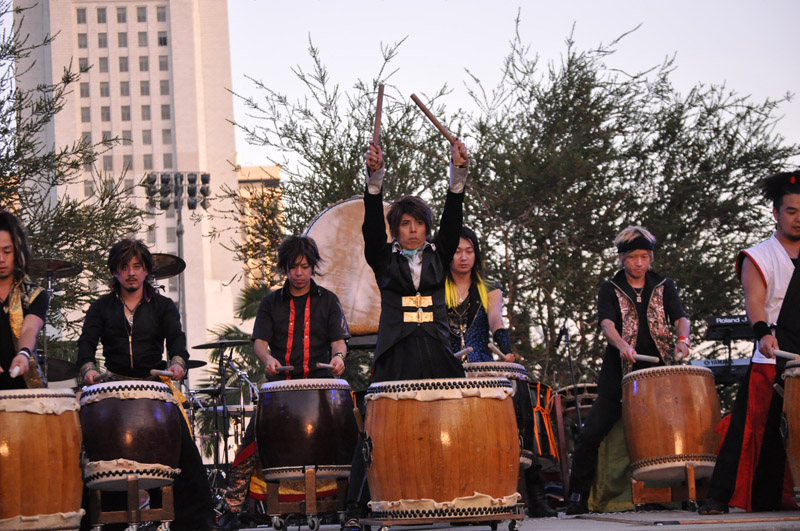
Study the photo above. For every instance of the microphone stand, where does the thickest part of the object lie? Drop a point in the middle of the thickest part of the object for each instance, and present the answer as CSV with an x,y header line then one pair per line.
x,y
565,334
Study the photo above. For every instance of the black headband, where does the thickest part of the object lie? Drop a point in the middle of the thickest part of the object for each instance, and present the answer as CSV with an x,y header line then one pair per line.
x,y
639,242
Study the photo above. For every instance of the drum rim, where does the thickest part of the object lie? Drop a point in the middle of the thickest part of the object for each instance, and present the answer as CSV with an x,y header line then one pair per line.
x,y
305,384
668,370
400,386
44,392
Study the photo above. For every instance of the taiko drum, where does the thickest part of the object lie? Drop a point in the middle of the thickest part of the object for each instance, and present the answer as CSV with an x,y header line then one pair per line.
x,y
791,418
670,414
445,440
40,446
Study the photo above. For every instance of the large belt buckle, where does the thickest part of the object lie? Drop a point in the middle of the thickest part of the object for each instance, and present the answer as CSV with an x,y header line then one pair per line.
x,y
418,301
418,317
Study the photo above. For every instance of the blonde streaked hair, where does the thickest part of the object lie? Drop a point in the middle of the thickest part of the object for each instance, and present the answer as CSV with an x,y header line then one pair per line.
x,y
629,234
451,292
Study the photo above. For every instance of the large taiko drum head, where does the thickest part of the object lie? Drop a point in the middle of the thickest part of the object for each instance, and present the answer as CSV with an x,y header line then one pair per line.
x,y
791,418
670,414
337,231
305,423
444,448
40,447
523,407
130,427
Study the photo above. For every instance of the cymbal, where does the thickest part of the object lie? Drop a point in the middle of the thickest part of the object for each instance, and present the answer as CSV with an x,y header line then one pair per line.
x,y
237,410
195,364
56,268
225,343
167,265
59,370
214,391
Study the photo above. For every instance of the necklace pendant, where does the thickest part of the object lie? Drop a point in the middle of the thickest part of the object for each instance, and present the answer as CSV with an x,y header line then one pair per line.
x,y
638,298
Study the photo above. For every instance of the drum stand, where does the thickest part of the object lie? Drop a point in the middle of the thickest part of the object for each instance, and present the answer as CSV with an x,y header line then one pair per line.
x,y
133,516
310,506
516,515
642,493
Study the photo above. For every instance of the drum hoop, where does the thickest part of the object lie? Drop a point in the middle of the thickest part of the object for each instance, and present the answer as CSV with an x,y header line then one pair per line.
x,y
668,459
513,371
794,364
311,384
669,370
403,386
27,394
38,401
127,389
328,208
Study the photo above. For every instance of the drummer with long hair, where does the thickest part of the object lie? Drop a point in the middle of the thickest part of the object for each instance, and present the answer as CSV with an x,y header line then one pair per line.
x,y
635,310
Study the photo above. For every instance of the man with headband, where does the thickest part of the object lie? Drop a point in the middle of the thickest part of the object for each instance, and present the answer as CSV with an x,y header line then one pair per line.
x,y
744,477
635,309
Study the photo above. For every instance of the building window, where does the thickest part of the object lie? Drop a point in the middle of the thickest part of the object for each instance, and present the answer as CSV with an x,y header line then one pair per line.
x,y
147,162
126,113
105,113
122,15
102,64
161,13
127,165
164,87
165,113
88,187
151,235
171,235
163,63
83,40
144,88
102,40
124,88
142,38
81,13
86,137
104,90
144,63
167,161
106,136
122,39
171,212
146,112
123,64
147,137
86,114
162,38
127,138
101,15
83,64
141,14
108,163
172,283
166,136
84,90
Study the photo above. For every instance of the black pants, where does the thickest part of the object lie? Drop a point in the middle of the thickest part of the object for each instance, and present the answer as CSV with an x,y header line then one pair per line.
x,y
192,495
605,412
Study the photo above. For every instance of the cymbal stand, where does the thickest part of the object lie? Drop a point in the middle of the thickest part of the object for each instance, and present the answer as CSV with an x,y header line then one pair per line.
x,y
242,375
50,291
194,405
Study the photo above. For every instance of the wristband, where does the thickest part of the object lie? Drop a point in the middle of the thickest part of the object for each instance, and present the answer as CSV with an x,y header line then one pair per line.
x,y
26,352
684,339
761,329
341,355
86,367
177,360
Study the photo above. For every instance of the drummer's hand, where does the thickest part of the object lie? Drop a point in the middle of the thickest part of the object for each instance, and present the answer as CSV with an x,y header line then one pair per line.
x,y
20,361
510,357
681,351
374,157
767,345
177,371
628,353
90,377
458,153
272,366
338,365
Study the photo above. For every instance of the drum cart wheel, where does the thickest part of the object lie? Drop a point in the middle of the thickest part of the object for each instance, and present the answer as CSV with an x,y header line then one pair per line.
x,y
514,525
313,523
278,523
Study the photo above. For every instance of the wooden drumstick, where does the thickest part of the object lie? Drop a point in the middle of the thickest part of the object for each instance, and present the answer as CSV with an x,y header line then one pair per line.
x,y
376,131
324,366
499,352
156,372
14,372
649,359
462,353
359,419
450,138
787,355
285,368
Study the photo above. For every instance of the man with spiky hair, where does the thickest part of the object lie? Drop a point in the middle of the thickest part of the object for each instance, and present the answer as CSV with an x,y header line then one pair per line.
x,y
751,471
24,308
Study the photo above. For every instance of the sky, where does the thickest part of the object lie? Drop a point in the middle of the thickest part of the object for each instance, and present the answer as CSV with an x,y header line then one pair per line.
x,y
751,47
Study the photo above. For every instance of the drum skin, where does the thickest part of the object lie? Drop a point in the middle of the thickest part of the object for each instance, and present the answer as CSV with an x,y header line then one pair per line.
x,y
337,231
791,412
441,449
670,414
523,407
39,456
306,423
144,430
